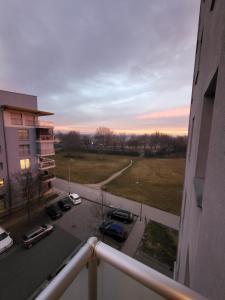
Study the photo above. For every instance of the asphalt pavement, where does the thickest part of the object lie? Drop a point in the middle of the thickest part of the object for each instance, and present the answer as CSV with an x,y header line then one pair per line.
x,y
147,212
22,271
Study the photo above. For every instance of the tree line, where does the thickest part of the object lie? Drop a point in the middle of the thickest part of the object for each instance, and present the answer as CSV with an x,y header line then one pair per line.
x,y
106,141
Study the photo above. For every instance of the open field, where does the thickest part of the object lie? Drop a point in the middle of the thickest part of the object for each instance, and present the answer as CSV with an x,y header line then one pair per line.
x,y
155,182
160,242
89,168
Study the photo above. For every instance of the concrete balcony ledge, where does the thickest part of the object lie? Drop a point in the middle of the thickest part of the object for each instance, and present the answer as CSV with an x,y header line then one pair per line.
x,y
45,138
99,272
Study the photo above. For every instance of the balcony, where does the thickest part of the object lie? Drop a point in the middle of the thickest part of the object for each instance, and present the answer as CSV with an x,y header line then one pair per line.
x,y
46,164
44,135
99,272
47,177
45,149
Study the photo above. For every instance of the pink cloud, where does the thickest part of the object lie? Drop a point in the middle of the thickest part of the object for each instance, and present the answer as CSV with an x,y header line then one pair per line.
x,y
169,113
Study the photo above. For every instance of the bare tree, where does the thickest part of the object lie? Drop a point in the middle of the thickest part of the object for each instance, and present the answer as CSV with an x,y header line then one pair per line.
x,y
103,137
25,186
71,142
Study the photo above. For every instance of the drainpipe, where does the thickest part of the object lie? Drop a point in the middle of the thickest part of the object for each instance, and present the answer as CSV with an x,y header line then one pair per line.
x,y
7,161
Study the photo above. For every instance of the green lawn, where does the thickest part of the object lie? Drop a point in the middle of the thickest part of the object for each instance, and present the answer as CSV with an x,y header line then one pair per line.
x,y
156,182
160,242
89,168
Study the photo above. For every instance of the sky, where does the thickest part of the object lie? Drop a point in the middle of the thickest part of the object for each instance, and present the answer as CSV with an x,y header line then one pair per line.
x,y
123,64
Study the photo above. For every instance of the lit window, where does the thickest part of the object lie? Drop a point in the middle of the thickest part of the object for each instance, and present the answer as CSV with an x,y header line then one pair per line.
x,y
1,182
25,164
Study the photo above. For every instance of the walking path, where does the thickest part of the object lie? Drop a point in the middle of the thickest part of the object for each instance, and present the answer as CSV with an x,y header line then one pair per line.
x,y
148,212
134,239
112,177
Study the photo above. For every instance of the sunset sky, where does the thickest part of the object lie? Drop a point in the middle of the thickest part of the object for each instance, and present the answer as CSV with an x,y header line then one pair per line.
x,y
122,64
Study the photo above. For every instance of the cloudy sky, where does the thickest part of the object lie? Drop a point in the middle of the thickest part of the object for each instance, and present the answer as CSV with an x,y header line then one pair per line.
x,y
123,64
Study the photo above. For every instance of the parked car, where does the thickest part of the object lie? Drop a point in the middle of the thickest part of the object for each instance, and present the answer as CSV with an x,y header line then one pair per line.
x,y
75,199
5,240
121,215
38,233
113,229
64,204
53,211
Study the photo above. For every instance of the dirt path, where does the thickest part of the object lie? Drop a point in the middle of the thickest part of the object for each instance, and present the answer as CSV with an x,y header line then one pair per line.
x,y
99,185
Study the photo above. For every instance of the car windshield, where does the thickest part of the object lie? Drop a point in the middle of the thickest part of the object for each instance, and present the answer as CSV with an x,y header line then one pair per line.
x,y
3,236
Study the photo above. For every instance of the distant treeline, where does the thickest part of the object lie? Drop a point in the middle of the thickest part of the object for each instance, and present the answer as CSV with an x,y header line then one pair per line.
x,y
106,141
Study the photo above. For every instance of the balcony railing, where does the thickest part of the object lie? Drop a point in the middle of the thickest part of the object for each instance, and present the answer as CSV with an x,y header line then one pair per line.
x,y
98,271
45,164
45,149
45,137
44,124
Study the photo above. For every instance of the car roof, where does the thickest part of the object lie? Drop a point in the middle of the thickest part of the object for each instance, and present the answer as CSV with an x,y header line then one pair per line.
x,y
2,230
121,210
74,195
117,227
35,230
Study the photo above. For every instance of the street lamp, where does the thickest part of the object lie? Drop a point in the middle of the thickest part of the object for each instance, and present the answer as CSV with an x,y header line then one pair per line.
x,y
69,170
137,182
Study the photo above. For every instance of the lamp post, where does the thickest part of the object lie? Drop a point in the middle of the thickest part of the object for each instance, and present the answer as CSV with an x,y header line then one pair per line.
x,y
137,182
69,171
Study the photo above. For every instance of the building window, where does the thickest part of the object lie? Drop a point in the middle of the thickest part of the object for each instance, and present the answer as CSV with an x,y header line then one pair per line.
x,y
23,134
25,164
204,139
198,55
24,150
29,120
1,182
191,137
1,165
212,5
16,119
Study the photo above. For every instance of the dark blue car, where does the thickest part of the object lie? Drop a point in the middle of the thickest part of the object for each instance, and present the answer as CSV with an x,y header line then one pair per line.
x,y
113,229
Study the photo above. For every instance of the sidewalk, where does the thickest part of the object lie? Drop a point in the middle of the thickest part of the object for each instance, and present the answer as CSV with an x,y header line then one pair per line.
x,y
134,238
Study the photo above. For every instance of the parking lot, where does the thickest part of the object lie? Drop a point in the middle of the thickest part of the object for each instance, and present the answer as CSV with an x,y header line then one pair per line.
x,y
24,271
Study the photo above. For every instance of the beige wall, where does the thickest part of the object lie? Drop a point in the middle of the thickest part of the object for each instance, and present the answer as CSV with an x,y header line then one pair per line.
x,y
202,235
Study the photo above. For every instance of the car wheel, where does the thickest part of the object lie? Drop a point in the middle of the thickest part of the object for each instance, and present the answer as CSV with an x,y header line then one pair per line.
x,y
29,246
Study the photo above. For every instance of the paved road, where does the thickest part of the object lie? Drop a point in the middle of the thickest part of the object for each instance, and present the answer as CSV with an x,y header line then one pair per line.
x,y
148,212
22,271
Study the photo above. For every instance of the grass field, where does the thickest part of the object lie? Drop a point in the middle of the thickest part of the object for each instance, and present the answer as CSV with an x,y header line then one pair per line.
x,y
89,168
155,182
160,242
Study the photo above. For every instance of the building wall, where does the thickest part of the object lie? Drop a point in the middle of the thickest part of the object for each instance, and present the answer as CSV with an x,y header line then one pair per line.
x,y
19,100
201,250
9,132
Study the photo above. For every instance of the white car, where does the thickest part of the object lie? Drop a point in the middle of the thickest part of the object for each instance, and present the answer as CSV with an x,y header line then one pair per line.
x,y
75,199
5,240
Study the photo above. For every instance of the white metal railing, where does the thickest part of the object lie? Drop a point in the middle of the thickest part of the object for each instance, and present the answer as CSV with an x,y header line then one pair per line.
x,y
46,164
94,250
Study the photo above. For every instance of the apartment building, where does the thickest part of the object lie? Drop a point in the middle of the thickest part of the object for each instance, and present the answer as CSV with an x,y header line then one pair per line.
x,y
25,146
201,252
